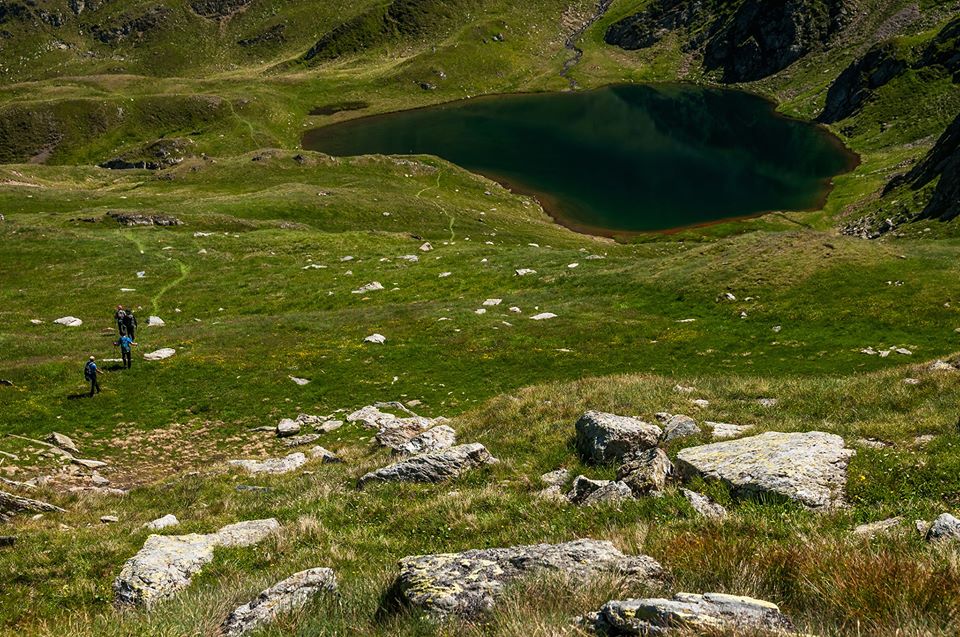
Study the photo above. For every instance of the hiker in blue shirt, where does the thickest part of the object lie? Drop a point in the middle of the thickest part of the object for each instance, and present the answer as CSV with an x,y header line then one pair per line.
x,y
125,343
90,372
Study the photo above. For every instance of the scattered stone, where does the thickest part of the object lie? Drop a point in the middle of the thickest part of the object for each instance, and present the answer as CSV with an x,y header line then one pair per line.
x,y
876,528
724,430
701,403
467,584
299,441
287,428
98,480
69,321
684,389
327,456
435,439
543,316
492,302
704,505
679,426
688,613
807,467
62,441
945,527
924,440
873,443
646,472
555,478
412,258
378,339
911,381
167,563
164,522
271,465
155,321
525,271
603,437
444,275
299,381
587,492
10,503
160,354
138,219
291,594
109,519
426,247
942,366
435,466
375,286
328,426
767,402
89,464
37,322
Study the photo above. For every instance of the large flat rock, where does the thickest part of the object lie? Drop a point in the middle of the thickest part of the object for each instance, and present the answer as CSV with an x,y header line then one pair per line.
x,y
435,466
603,437
167,563
274,466
689,614
810,468
285,596
467,584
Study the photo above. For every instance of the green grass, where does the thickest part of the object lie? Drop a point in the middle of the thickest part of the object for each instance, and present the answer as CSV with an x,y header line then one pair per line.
x,y
245,315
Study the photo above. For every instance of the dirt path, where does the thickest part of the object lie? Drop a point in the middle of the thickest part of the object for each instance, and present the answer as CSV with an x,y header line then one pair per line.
x,y
571,42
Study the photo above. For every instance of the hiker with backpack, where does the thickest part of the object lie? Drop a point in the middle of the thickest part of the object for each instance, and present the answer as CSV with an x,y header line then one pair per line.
x,y
90,373
125,343
130,324
121,317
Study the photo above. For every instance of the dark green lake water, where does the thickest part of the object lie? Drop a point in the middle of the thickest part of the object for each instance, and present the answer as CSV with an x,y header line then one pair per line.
x,y
621,158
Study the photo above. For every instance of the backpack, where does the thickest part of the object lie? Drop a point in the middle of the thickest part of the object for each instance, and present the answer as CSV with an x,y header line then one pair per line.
x,y
88,371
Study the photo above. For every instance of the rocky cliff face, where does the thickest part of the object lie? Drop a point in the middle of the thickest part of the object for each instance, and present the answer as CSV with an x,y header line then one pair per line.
x,y
942,162
858,81
884,62
744,41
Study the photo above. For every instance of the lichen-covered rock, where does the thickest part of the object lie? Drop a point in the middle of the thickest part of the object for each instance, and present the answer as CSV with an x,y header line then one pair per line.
x,y
467,584
647,472
435,466
679,426
603,437
167,563
436,439
287,428
704,505
688,613
288,595
587,492
810,467
876,528
724,430
396,432
945,527
272,465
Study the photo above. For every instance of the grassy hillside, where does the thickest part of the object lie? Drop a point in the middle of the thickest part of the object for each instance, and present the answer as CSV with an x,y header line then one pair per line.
x,y
257,286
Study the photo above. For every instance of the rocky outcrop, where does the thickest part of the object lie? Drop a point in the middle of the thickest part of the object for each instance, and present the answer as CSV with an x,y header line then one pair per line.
x,y
436,466
647,472
587,492
167,563
744,41
764,37
140,219
218,9
157,155
274,466
291,594
942,163
436,439
603,437
274,35
467,584
810,468
132,27
704,505
687,613
396,432
858,82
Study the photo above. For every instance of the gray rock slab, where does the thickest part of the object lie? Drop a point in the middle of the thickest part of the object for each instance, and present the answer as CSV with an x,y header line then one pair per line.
x,y
603,437
291,594
810,468
436,466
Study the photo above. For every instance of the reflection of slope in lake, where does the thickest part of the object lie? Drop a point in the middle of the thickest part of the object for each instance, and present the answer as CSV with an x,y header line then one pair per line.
x,y
622,158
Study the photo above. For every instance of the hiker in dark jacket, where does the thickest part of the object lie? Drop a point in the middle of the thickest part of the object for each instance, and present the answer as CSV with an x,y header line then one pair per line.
x,y
90,372
120,315
125,343
130,324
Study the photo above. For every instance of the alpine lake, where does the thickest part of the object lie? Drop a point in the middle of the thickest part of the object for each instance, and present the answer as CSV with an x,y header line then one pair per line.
x,y
621,159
